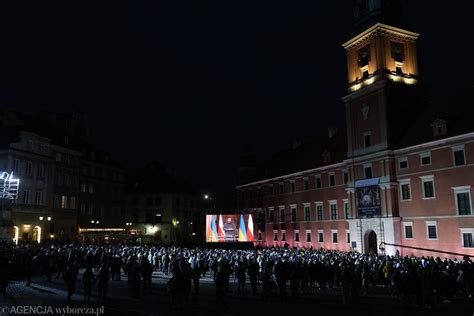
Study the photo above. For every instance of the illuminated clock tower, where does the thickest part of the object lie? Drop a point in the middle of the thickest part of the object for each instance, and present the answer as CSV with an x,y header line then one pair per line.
x,y
383,97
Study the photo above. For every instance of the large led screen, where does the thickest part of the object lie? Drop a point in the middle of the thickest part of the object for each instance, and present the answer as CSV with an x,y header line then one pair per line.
x,y
229,228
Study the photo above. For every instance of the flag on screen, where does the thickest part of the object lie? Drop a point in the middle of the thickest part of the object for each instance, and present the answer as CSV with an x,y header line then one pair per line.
x,y
220,229
213,229
250,229
242,230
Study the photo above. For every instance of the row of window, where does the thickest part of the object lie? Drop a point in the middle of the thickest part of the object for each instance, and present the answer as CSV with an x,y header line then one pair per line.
x,y
89,210
432,233
27,197
459,158
306,185
31,146
462,194
87,188
296,237
66,180
319,216
63,201
66,158
28,168
425,160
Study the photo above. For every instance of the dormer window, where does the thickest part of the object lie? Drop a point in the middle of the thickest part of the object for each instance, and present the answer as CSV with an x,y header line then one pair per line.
x,y
326,156
439,127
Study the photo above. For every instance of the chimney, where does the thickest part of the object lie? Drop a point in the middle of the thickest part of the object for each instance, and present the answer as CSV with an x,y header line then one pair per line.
x,y
332,131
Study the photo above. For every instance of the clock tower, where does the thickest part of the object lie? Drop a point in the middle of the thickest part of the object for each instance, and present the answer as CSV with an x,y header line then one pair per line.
x,y
383,97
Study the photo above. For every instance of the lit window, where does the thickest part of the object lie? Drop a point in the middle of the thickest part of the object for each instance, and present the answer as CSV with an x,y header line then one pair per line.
x,y
63,201
91,188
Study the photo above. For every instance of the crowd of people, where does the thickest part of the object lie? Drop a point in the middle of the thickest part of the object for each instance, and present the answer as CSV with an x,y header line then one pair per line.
x,y
280,272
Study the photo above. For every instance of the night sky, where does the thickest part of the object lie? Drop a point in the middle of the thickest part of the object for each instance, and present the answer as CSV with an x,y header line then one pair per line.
x,y
189,83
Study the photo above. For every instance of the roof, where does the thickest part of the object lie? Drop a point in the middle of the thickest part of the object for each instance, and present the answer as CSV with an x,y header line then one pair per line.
x,y
309,155
155,178
456,111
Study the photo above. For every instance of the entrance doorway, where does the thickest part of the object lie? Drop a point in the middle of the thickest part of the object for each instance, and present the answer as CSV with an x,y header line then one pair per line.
x,y
370,242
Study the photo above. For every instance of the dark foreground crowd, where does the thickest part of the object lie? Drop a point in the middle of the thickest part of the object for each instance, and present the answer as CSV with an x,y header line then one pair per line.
x,y
281,272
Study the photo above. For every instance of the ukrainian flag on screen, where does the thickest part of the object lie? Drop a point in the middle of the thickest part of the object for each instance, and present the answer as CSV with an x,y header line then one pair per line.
x,y
213,230
242,230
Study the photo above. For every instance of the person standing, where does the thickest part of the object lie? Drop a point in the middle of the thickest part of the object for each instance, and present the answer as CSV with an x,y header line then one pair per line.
x,y
70,277
103,277
88,280
253,275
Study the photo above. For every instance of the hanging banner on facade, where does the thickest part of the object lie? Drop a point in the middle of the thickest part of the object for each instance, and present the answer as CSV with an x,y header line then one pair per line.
x,y
8,186
368,197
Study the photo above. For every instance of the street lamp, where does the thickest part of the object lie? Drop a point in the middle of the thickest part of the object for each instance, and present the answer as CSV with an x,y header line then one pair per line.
x,y
206,196
41,218
49,218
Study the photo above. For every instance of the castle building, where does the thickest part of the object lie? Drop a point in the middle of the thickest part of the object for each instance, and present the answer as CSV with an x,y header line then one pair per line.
x,y
400,180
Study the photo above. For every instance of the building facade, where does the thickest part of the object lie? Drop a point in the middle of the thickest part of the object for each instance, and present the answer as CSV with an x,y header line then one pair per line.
x,y
404,183
162,208
101,197
27,155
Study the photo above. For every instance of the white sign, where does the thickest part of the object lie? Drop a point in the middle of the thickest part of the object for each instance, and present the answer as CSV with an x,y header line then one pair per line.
x,y
8,186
